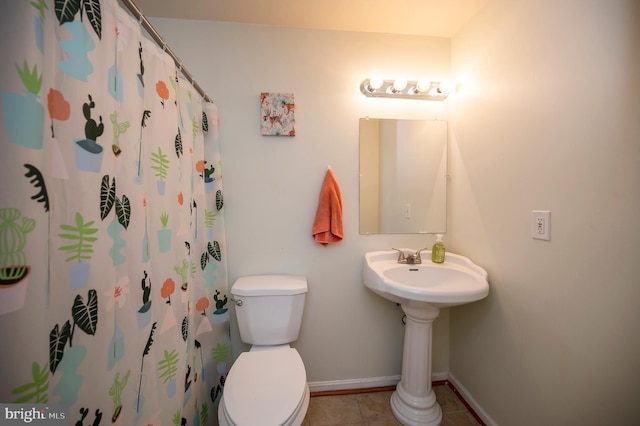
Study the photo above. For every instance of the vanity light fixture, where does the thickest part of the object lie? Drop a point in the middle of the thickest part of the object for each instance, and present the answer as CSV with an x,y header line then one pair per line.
x,y
400,88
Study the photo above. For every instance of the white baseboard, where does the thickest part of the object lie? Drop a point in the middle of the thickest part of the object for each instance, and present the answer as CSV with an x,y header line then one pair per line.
x,y
372,382
472,402
439,376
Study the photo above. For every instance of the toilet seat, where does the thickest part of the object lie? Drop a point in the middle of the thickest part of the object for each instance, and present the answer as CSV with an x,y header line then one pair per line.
x,y
266,387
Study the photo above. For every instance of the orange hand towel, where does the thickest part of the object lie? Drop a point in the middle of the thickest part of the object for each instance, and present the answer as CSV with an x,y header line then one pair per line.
x,y
327,226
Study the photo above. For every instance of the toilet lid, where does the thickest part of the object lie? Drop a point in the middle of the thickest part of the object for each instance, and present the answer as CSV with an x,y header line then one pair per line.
x,y
269,285
265,387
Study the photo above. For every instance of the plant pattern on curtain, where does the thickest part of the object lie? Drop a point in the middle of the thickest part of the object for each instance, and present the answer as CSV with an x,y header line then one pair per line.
x,y
113,281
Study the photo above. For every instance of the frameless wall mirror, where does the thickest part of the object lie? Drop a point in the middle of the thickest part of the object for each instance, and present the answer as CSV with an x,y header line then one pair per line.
x,y
403,176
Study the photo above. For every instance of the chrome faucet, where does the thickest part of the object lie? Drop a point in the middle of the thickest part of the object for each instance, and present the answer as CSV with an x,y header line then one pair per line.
x,y
412,259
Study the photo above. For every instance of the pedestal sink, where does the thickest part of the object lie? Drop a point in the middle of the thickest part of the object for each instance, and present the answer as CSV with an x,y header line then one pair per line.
x,y
421,289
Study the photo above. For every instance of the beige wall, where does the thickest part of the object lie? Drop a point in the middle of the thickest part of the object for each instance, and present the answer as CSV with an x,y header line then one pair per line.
x,y
549,119
271,184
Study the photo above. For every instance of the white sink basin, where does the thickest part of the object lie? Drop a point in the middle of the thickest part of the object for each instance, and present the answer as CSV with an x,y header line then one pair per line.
x,y
456,281
422,290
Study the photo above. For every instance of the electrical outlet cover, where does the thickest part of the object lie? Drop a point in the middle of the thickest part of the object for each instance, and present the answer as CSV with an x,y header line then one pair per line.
x,y
541,224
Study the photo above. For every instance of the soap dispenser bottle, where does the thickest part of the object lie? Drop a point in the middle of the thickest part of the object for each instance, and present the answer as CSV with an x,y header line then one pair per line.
x,y
437,251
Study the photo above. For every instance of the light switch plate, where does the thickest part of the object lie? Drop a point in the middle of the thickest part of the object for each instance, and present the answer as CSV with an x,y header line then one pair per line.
x,y
407,211
541,224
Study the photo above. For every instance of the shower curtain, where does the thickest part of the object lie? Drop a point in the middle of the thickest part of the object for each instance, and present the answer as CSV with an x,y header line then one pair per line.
x,y
113,282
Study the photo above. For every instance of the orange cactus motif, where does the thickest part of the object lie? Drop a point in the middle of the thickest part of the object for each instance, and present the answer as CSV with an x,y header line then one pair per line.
x,y
168,287
58,107
202,304
180,198
200,166
162,91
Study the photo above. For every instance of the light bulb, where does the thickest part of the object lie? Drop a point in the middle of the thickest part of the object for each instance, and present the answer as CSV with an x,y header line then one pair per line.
x,y
375,83
399,85
422,85
434,89
445,87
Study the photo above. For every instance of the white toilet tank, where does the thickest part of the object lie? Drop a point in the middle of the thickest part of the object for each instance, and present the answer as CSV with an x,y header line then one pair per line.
x,y
269,308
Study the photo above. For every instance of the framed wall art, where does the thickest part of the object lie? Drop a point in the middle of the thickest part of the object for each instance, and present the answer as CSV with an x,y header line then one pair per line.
x,y
277,114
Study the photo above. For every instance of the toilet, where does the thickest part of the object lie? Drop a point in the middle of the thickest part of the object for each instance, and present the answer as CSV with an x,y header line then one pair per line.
x,y
267,386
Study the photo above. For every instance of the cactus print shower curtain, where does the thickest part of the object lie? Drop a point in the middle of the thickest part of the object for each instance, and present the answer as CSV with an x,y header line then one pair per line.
x,y
113,283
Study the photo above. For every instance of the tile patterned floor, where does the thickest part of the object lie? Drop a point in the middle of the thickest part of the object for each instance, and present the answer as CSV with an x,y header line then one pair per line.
x,y
373,409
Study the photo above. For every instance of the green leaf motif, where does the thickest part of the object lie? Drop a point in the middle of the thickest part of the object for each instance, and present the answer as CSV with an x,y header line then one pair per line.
x,y
204,259
204,414
150,339
37,180
195,128
83,248
177,417
219,202
209,218
107,196
86,316
220,352
145,116
92,9
168,365
35,391
178,144
161,163
205,122
214,251
57,342
66,10
185,328
123,211
40,6
164,219
30,78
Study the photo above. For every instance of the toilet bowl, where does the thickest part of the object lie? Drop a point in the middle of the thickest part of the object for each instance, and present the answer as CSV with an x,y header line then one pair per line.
x,y
267,386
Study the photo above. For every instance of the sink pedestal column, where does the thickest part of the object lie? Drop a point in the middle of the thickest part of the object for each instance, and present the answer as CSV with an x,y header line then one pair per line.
x,y
414,401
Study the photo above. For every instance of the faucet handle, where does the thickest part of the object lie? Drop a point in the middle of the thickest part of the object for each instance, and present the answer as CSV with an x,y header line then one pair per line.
x,y
420,251
401,256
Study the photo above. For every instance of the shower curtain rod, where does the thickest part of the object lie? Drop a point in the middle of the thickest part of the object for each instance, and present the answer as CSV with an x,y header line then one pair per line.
x,y
137,13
